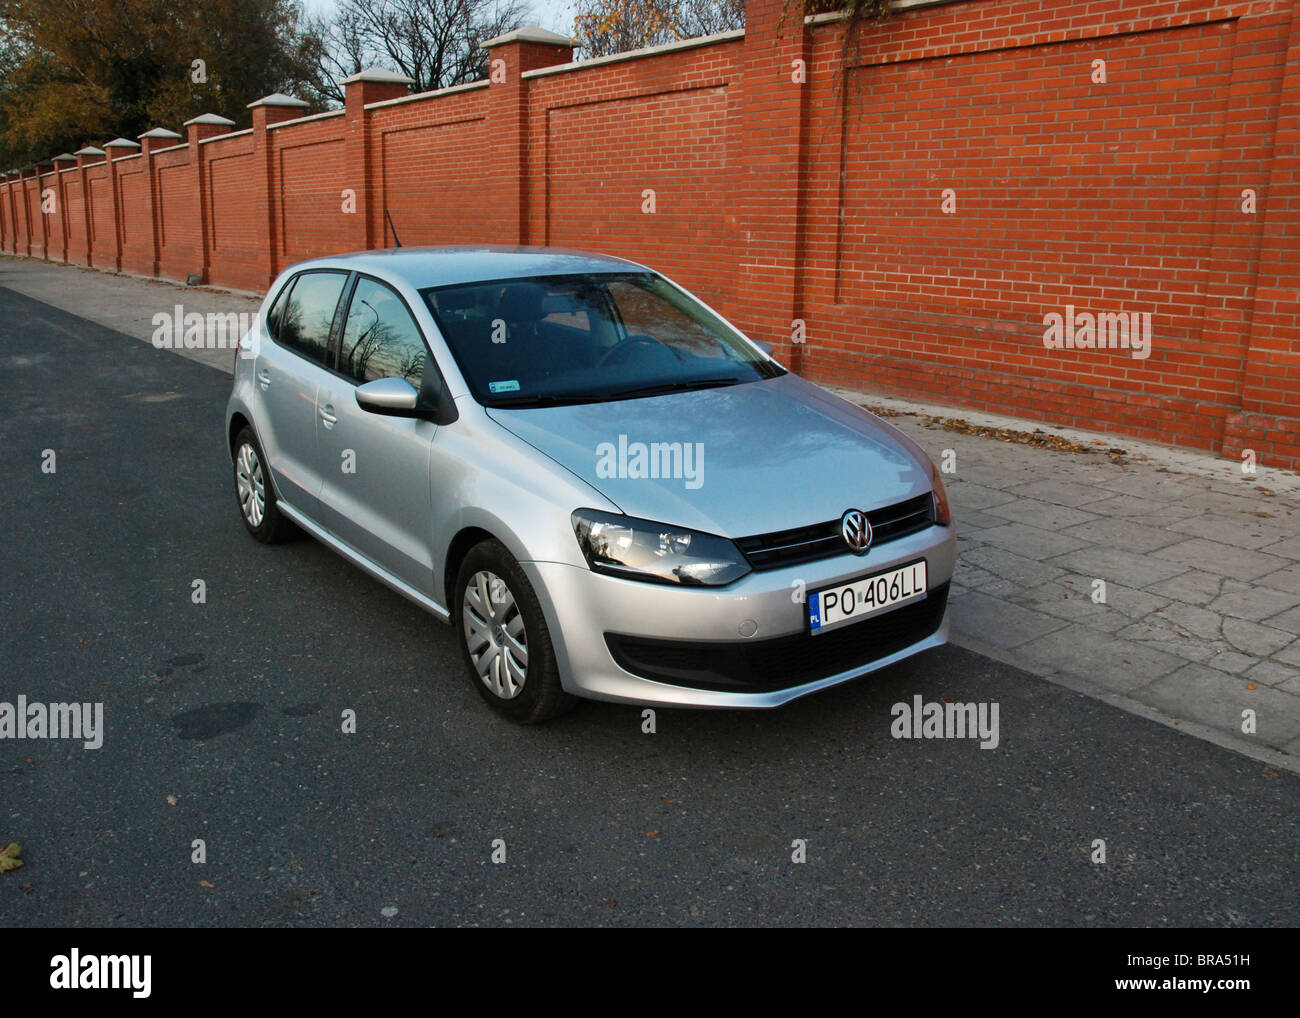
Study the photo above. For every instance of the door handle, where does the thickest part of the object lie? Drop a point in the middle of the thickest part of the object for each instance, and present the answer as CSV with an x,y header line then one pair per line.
x,y
264,379
327,415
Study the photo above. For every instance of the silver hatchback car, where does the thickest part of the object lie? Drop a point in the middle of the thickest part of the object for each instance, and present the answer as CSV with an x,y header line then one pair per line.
x,y
607,489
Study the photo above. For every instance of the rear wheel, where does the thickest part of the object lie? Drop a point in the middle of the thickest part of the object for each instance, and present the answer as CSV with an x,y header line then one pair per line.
x,y
504,639
254,492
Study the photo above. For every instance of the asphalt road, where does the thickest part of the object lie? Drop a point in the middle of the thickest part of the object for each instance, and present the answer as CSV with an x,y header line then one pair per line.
x,y
233,709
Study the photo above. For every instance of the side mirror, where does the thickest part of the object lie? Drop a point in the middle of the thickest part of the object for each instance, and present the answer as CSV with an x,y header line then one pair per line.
x,y
393,397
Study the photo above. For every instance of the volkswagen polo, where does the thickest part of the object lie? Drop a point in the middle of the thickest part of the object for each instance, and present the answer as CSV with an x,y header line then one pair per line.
x,y
605,488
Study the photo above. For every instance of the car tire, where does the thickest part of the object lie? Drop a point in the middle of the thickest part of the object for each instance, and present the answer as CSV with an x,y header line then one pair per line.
x,y
503,638
254,492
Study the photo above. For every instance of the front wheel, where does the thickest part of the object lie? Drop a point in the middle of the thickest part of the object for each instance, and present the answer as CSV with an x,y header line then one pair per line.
x,y
504,638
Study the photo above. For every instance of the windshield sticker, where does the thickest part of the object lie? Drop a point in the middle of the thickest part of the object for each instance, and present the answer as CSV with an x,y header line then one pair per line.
x,y
510,386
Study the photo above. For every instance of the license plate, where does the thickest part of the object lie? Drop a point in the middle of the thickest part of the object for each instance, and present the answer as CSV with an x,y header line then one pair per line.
x,y
832,607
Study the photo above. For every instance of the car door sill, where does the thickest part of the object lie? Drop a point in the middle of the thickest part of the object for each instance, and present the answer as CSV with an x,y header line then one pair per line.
x,y
361,562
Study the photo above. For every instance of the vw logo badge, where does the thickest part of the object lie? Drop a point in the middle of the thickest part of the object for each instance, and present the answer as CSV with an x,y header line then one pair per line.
x,y
856,531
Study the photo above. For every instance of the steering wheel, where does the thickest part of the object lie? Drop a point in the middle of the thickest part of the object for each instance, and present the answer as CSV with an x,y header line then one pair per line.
x,y
619,348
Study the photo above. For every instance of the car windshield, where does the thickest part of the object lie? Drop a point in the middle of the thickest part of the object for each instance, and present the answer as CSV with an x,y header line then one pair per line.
x,y
587,338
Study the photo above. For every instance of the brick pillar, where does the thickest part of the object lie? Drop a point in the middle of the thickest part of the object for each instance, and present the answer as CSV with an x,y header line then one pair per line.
x,y
85,158
510,56
46,224
64,162
25,200
367,228
151,142
7,217
207,125
770,171
115,150
1269,421
271,109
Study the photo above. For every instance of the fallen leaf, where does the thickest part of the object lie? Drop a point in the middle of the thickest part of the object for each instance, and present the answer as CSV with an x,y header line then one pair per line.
x,y
28,889
204,883
610,902
1271,774
9,857
172,800
1251,685
296,864
651,834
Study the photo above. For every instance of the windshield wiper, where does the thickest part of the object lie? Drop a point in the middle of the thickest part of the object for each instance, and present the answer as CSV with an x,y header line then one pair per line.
x,y
665,387
540,400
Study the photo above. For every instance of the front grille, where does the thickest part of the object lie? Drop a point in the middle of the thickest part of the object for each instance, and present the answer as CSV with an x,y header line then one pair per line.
x,y
823,540
764,666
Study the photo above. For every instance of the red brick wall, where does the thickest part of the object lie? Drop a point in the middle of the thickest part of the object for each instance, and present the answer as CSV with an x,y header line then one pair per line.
x,y
135,215
310,177
180,225
429,170
823,202
74,207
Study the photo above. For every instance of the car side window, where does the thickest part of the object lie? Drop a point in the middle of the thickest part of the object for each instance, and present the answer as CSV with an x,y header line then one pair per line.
x,y
380,339
277,311
304,324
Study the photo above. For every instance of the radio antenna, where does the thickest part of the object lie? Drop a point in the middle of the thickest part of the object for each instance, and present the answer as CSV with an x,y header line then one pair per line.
x,y
396,241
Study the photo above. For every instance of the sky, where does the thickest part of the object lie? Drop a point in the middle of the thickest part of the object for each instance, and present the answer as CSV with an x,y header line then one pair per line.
x,y
556,15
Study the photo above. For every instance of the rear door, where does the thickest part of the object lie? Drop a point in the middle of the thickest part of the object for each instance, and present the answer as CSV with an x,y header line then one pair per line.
x,y
375,490
288,374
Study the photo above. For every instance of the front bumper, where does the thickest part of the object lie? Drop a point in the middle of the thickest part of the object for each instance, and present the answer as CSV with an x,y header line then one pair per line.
x,y
633,642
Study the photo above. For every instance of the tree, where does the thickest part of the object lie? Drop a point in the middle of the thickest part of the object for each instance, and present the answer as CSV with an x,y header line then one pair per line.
x,y
76,70
435,42
604,27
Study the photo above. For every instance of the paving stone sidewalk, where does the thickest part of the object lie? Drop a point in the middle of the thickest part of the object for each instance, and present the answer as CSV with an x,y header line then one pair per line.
x,y
1201,563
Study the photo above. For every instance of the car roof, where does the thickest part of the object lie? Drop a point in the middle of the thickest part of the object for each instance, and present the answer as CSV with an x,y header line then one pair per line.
x,y
422,267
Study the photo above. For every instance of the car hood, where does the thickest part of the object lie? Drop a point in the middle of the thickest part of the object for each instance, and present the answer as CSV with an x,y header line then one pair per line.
x,y
754,458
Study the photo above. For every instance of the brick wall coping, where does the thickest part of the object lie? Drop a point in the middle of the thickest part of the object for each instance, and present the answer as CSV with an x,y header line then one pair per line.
x,y
302,120
223,137
638,54
449,90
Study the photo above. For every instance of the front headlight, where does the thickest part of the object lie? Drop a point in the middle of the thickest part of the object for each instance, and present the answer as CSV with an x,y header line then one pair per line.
x,y
645,550
942,511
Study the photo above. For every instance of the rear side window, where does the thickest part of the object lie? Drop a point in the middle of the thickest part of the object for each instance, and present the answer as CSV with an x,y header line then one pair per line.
x,y
308,315
277,311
